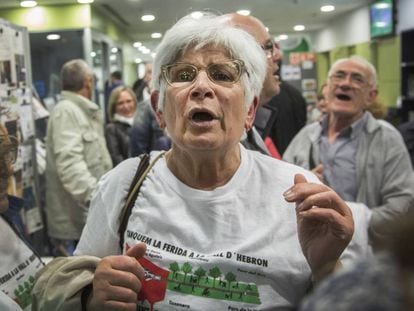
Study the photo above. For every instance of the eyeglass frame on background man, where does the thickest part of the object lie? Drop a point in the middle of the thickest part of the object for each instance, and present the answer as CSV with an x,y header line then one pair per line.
x,y
271,48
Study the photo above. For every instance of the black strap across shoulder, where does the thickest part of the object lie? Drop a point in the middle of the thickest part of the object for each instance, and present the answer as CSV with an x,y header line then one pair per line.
x,y
131,197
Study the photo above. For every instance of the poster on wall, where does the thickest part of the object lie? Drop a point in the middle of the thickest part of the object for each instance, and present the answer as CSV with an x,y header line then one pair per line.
x,y
26,114
290,73
16,112
299,68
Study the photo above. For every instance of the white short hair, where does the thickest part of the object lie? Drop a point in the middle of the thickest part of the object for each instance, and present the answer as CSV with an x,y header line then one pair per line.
x,y
190,34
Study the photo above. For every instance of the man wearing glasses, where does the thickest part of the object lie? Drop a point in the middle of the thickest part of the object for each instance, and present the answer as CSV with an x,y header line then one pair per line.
x,y
363,159
252,139
18,261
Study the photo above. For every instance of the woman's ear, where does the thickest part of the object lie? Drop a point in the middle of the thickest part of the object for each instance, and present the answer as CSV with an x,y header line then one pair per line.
x,y
251,114
158,113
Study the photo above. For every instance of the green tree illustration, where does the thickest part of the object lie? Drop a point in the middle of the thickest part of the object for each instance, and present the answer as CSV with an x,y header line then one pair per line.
x,y
229,277
186,268
174,267
214,273
200,272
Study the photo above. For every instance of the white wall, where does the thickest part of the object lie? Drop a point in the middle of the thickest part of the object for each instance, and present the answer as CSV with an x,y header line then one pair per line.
x,y
349,29
405,15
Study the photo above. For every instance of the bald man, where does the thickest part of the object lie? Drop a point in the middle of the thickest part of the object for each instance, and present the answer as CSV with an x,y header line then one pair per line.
x,y
252,139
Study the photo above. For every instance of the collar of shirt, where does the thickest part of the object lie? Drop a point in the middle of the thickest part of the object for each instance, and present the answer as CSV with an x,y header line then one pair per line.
x,y
351,131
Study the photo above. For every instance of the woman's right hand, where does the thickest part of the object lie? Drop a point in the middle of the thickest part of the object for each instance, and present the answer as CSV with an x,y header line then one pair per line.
x,y
117,281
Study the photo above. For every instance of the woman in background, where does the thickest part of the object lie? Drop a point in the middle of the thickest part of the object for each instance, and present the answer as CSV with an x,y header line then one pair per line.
x,y
121,109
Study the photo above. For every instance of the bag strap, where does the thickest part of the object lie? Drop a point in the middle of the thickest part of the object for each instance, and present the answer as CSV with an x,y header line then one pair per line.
x,y
143,168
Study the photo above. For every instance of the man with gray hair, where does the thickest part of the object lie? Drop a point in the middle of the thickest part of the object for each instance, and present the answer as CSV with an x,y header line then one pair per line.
x,y
76,157
363,159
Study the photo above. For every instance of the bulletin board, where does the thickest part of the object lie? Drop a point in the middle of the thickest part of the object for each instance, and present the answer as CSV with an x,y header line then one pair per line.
x,y
16,113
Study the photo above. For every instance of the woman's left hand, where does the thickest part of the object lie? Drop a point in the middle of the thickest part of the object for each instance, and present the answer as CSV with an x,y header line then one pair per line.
x,y
325,224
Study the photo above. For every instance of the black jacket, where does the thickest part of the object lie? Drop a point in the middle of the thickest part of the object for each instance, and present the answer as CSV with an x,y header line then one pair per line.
x,y
117,140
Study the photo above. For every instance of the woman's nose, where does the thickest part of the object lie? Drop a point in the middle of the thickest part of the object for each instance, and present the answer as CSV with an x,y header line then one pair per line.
x,y
202,86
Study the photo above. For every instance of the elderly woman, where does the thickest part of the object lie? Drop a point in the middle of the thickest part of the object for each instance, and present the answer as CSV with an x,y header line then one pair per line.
x,y
121,109
214,226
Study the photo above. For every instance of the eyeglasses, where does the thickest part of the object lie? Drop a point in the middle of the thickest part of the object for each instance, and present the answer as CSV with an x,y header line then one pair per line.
x,y
182,74
8,149
355,78
271,48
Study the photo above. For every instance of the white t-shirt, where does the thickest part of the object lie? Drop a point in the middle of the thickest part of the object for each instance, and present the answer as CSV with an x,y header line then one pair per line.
x,y
18,267
232,248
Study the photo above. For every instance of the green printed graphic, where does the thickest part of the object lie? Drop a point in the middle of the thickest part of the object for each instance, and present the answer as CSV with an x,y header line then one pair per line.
x,y
210,284
23,293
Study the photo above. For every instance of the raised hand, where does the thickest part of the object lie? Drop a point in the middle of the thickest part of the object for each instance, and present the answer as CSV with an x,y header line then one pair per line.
x,y
325,224
117,281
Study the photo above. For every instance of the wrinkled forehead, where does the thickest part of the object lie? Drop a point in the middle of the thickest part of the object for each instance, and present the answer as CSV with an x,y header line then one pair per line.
x,y
205,51
351,66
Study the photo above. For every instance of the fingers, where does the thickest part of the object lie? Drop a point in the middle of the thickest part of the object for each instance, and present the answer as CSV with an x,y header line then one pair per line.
x,y
307,195
342,227
137,251
120,271
117,281
327,199
299,179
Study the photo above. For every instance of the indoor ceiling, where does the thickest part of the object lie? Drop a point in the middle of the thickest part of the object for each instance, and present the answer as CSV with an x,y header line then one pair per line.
x,y
278,15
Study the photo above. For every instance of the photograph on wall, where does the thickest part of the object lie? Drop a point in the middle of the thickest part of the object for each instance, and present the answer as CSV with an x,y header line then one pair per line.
x,y
20,70
26,165
9,105
5,42
310,97
5,72
26,114
309,84
289,73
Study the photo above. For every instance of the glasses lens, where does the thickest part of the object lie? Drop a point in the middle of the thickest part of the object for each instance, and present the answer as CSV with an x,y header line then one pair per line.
x,y
181,73
269,48
224,73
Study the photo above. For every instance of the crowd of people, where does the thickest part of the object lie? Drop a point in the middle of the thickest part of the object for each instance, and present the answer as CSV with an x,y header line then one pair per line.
x,y
243,205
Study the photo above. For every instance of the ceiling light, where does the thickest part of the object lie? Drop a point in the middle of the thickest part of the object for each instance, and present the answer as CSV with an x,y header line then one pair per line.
x,y
93,54
114,50
138,60
327,8
298,28
141,48
282,37
85,1
156,35
147,18
153,55
53,36
243,12
197,15
137,44
28,4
